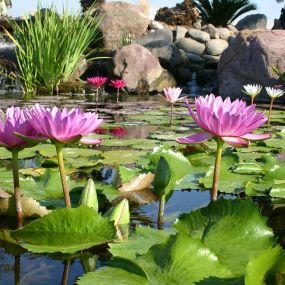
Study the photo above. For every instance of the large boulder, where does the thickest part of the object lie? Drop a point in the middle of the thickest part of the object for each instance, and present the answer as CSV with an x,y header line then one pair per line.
x,y
155,36
141,69
120,19
249,59
198,35
252,22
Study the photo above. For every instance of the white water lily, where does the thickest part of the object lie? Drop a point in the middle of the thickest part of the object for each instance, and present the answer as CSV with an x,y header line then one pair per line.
x,y
252,90
274,92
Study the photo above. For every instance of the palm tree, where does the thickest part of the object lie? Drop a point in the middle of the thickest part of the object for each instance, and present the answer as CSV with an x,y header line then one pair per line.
x,y
223,12
86,4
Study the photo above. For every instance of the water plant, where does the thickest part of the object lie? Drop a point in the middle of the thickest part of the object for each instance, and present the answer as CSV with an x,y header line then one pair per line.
x,y
273,93
15,120
252,90
171,95
226,122
223,12
97,81
62,127
89,196
50,47
118,84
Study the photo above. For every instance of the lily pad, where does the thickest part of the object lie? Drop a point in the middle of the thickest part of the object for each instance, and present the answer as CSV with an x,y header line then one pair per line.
x,y
66,230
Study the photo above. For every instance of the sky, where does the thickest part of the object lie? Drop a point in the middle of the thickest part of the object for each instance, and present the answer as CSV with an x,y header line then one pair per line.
x,y
20,7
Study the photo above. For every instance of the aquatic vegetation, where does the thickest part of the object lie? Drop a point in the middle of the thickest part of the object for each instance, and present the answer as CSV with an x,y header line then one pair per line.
x,y
252,90
171,95
89,196
62,127
118,84
273,93
47,59
97,81
223,12
227,122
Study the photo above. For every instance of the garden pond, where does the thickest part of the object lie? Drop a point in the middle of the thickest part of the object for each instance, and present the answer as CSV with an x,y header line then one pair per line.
x,y
235,240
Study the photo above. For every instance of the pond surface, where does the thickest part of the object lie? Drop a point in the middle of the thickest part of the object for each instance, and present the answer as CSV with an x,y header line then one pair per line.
x,y
126,127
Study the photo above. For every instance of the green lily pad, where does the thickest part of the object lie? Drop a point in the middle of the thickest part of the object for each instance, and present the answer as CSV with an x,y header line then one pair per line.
x,y
121,157
66,230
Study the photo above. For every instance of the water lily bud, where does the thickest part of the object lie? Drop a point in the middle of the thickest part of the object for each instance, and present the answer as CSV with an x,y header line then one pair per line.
x,y
162,177
120,213
89,196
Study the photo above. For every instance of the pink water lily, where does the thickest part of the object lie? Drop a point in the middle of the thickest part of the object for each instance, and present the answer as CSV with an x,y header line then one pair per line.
x,y
233,122
171,95
226,122
97,81
62,127
118,84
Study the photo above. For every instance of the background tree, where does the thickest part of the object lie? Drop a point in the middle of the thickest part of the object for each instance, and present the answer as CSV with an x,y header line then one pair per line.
x,y
223,12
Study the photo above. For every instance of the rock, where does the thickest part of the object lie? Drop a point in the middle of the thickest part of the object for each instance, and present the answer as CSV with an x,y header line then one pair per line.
x,y
195,58
139,67
212,58
197,25
180,33
190,45
249,59
252,22
119,18
232,29
231,39
211,30
158,35
198,35
184,14
223,33
155,25
216,47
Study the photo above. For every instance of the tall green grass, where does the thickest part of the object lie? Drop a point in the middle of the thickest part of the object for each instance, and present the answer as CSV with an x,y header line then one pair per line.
x,y
50,46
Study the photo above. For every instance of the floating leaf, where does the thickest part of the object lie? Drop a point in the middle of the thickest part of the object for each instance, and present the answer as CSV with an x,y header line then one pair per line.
x,y
121,157
127,174
66,230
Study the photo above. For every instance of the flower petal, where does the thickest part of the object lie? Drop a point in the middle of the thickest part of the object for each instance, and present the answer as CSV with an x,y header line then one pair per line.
x,y
31,139
235,141
256,137
196,138
90,141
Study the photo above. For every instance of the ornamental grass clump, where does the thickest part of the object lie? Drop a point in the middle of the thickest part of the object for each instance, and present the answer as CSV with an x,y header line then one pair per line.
x,y
171,95
16,120
226,122
62,127
273,93
50,47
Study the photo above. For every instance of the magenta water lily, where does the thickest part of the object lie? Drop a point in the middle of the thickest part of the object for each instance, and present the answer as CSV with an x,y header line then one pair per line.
x,y
63,127
118,84
97,81
15,120
171,95
226,122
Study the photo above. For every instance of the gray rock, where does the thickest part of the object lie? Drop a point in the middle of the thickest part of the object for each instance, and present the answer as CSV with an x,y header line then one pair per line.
x,y
252,22
232,29
216,47
198,35
155,25
119,18
223,33
231,39
195,58
249,59
211,30
197,25
158,35
139,67
190,45
180,32
212,58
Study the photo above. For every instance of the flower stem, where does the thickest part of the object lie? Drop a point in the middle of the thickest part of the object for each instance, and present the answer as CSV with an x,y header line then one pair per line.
x,y
161,212
118,95
17,190
171,114
62,174
214,193
97,94
270,110
252,99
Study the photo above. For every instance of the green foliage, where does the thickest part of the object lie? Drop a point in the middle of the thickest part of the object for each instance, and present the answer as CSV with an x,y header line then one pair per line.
x,y
50,47
279,73
66,230
223,12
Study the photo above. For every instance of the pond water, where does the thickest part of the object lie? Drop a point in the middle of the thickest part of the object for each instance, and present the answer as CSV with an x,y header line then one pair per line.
x,y
25,268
